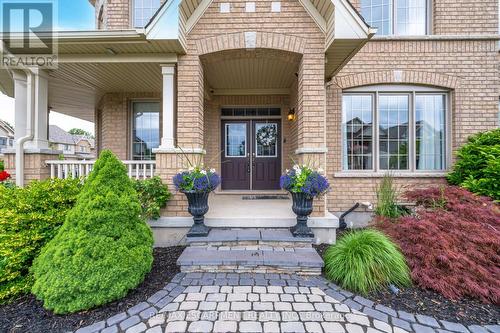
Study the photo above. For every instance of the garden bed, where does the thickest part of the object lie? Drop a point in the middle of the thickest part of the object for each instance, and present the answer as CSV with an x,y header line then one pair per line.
x,y
26,314
427,302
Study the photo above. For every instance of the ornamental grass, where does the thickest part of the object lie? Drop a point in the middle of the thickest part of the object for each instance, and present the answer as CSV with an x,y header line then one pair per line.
x,y
365,261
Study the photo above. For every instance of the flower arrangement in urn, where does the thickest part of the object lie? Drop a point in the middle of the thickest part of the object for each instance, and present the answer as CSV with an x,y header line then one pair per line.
x,y
304,183
196,183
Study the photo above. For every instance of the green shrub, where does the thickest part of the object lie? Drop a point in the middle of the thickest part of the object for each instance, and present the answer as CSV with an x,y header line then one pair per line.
x,y
477,167
387,196
364,261
29,218
103,250
153,195
2,166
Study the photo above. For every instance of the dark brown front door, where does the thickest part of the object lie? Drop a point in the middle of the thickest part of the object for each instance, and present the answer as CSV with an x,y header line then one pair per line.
x,y
266,155
251,154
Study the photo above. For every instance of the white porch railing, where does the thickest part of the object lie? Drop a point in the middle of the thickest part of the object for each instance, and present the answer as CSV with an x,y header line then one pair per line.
x,y
75,168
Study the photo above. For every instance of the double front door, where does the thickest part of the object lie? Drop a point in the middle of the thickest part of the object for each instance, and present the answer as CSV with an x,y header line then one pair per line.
x,y
251,154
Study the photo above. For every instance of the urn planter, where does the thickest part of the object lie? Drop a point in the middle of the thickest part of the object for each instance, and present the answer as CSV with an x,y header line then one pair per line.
x,y
198,207
302,206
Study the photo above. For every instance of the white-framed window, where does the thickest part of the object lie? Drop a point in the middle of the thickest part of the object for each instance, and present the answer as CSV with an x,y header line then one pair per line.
x,y
145,129
400,128
397,17
143,11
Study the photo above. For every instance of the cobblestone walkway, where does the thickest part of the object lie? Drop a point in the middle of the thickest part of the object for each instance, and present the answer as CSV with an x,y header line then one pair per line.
x,y
207,302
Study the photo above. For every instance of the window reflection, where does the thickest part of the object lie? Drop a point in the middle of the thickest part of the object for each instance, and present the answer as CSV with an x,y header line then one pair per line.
x,y
358,132
236,140
430,132
393,132
146,130
144,11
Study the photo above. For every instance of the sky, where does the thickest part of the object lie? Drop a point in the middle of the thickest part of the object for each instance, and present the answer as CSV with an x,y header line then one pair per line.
x,y
72,15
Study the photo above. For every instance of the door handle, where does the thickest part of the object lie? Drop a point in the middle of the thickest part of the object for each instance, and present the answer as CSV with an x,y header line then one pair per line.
x,y
248,167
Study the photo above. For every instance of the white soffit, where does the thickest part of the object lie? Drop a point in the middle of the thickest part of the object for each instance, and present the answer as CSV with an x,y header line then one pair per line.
x,y
348,23
165,24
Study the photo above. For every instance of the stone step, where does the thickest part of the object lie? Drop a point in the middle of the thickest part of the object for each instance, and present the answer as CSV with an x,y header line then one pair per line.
x,y
247,237
305,261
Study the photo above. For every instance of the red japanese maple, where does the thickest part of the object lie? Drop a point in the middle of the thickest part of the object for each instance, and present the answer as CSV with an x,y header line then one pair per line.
x,y
4,175
452,245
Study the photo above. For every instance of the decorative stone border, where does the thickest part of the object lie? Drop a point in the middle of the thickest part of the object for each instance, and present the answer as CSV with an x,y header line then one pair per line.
x,y
183,291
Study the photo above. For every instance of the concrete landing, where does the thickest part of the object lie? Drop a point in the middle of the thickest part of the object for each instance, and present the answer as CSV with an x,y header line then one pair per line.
x,y
248,235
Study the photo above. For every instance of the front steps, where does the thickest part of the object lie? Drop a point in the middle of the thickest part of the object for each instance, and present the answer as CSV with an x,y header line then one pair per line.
x,y
250,251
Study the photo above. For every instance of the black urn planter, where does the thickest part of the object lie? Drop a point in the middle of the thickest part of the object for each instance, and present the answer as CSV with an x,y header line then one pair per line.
x,y
198,207
302,206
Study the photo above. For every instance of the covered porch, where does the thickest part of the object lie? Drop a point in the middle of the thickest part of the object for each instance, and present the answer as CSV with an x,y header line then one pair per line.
x,y
245,103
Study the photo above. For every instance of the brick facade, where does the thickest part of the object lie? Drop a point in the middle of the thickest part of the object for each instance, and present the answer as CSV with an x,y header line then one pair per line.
x,y
455,58
467,67
35,166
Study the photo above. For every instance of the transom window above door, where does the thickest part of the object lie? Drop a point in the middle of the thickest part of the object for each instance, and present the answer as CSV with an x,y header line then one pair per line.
x,y
250,112
144,11
397,17
394,128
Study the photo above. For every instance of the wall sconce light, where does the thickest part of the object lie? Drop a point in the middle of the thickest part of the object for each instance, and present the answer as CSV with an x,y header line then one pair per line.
x,y
291,114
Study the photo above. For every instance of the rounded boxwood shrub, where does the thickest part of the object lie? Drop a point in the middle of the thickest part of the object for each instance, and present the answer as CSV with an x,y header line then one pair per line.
x,y
29,218
364,261
103,249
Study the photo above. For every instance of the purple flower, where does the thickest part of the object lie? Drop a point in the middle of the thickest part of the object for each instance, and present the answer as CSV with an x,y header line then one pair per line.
x,y
196,180
315,185
180,180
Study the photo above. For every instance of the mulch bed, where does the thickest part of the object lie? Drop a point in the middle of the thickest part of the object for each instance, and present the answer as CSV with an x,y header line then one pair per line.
x,y
427,302
26,314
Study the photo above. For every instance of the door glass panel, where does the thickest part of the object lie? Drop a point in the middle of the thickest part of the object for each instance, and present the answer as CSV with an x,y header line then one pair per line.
x,y
266,137
236,140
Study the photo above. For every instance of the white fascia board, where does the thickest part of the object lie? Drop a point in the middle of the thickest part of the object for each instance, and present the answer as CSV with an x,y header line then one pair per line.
x,y
197,14
166,23
313,12
348,23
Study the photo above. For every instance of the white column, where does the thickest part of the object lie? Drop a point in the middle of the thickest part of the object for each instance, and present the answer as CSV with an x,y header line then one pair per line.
x,y
167,140
20,103
41,110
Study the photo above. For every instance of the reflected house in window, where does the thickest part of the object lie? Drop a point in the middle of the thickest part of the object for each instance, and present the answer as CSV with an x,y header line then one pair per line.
x,y
360,138
145,129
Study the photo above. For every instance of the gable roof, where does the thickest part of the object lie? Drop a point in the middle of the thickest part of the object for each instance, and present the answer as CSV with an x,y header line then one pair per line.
x,y
78,138
58,135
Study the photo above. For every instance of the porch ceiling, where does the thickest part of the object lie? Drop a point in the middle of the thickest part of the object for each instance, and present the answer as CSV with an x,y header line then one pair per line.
x,y
92,63
250,69
75,88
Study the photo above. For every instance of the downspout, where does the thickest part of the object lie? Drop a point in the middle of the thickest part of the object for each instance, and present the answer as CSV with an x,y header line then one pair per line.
x,y
29,130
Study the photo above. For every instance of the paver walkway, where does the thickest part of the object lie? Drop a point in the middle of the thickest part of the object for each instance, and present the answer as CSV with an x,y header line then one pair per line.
x,y
227,302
